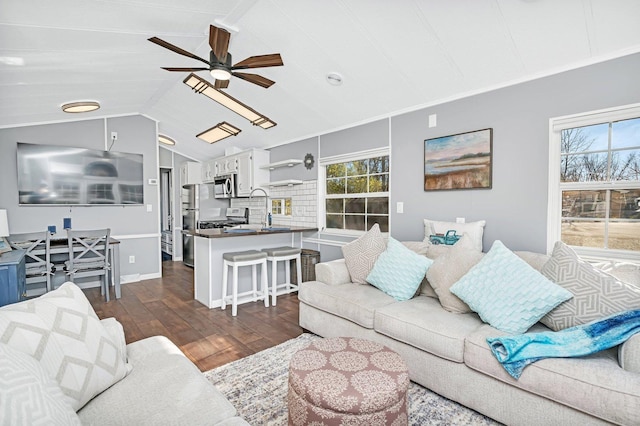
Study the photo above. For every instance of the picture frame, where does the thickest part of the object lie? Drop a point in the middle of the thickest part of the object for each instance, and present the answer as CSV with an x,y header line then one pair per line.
x,y
4,245
459,161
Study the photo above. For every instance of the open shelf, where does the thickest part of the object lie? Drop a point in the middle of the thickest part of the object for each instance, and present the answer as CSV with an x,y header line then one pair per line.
x,y
284,163
288,182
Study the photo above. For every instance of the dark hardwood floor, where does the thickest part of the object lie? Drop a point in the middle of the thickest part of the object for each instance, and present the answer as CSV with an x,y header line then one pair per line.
x,y
209,337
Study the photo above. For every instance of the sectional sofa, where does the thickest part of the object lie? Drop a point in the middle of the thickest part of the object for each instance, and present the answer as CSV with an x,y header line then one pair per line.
x,y
447,351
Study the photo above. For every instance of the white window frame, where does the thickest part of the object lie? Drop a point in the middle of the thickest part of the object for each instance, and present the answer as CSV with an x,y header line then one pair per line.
x,y
322,189
554,204
283,200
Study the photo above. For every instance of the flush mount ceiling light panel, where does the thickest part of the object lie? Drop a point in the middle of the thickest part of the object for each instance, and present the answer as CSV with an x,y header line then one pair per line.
x,y
218,132
166,140
83,106
220,63
200,85
334,79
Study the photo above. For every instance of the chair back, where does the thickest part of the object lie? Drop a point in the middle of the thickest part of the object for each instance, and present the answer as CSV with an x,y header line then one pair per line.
x,y
88,250
38,255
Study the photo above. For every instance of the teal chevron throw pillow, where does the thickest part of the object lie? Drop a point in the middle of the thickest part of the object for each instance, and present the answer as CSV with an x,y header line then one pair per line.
x,y
399,271
508,293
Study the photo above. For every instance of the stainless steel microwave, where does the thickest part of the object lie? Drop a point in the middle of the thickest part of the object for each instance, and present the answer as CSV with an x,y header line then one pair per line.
x,y
225,186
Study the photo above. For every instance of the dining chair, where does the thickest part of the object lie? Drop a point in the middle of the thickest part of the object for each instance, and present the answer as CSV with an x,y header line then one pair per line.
x,y
89,255
39,268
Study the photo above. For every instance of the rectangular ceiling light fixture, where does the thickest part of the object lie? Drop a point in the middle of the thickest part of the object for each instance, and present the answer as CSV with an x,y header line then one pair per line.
x,y
218,132
200,85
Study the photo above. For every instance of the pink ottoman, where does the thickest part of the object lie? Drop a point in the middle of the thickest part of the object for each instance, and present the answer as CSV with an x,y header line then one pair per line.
x,y
347,381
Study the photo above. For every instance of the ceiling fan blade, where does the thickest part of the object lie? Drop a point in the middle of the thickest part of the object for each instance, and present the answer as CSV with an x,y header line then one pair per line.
x,y
219,42
272,60
221,84
176,49
255,79
184,69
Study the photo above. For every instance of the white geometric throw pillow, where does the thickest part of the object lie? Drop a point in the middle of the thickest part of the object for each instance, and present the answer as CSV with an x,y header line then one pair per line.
x,y
61,330
596,294
28,396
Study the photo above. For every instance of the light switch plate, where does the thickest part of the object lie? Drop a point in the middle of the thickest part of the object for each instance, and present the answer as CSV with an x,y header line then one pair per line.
x,y
399,207
149,207
433,120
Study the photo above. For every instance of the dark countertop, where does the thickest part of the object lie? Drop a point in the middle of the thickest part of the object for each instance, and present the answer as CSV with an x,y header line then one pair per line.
x,y
219,233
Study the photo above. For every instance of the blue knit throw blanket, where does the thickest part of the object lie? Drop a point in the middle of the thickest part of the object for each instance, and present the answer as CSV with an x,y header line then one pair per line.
x,y
516,352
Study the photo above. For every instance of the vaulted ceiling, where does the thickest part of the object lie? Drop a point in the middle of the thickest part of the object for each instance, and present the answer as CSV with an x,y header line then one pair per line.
x,y
393,56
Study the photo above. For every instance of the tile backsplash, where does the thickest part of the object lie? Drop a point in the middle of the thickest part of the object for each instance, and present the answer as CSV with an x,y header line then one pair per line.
x,y
304,205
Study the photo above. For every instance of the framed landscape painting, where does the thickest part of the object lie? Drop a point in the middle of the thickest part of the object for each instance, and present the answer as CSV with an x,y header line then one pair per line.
x,y
461,161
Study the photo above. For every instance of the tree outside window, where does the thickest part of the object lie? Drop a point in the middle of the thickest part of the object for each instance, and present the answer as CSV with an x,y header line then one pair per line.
x,y
357,194
600,185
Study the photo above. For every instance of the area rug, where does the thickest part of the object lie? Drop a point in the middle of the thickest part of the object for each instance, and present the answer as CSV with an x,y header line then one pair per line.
x,y
257,387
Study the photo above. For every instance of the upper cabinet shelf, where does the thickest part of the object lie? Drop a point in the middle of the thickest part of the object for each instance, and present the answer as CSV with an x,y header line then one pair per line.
x,y
284,163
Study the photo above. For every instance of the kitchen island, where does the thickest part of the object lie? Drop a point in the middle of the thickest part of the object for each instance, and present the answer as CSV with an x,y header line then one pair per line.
x,y
211,244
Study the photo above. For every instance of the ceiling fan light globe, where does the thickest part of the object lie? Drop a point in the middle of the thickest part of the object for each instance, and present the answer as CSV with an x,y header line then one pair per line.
x,y
220,74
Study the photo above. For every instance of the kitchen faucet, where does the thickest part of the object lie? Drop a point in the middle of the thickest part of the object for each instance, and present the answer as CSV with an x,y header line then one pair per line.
x,y
266,205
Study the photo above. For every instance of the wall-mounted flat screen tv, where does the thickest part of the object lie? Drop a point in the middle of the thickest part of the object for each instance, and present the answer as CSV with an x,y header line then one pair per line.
x,y
64,175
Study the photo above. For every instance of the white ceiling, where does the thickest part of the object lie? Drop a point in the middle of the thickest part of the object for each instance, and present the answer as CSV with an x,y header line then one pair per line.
x,y
394,56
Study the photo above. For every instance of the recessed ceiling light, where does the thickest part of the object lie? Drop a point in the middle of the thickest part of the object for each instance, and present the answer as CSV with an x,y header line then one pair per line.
x,y
334,79
166,140
84,106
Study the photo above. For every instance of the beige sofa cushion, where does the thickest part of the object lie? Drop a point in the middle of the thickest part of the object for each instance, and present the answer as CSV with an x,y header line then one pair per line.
x,y
595,384
447,270
163,388
354,302
423,323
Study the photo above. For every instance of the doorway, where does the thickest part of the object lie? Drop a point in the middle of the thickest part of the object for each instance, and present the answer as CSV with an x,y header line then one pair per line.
x,y
166,218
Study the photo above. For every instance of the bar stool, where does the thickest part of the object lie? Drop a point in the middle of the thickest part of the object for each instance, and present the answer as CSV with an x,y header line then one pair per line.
x,y
286,253
237,259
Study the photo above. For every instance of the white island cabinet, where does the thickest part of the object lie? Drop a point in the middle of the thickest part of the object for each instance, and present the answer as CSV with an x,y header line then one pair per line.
x,y
211,244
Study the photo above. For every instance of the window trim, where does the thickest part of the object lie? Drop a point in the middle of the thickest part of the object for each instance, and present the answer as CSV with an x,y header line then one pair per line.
x,y
323,162
554,201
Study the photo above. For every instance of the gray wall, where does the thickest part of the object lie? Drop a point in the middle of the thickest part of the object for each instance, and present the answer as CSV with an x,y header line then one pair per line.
x,y
137,228
516,207
296,150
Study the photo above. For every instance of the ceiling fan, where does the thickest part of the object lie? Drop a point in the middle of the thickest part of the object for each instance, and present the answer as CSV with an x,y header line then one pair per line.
x,y
219,63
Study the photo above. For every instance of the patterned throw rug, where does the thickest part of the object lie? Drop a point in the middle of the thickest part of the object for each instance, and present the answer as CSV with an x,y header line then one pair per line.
x,y
257,387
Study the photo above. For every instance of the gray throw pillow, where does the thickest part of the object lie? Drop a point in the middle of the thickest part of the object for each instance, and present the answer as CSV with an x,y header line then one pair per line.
x,y
596,294
360,255
446,270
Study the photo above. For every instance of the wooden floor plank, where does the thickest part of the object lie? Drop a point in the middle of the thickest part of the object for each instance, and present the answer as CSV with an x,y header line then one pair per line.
x,y
209,337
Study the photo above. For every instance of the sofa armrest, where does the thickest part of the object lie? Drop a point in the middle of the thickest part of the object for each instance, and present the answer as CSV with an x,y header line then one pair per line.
x,y
333,272
629,354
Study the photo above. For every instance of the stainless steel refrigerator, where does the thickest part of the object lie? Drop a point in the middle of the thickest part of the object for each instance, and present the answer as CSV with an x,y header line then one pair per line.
x,y
198,205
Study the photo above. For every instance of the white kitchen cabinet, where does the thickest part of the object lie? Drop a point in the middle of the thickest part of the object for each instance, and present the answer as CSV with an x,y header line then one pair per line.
x,y
250,170
190,173
209,171
226,165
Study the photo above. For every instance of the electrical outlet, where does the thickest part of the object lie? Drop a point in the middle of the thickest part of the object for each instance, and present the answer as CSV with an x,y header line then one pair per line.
x,y
132,259
460,219
114,136
433,120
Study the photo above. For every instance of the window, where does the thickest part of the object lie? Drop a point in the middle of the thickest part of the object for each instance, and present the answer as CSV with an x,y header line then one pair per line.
x,y
281,206
595,205
357,193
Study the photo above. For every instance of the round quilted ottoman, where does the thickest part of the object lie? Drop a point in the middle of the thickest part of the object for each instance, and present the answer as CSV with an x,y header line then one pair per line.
x,y
347,381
